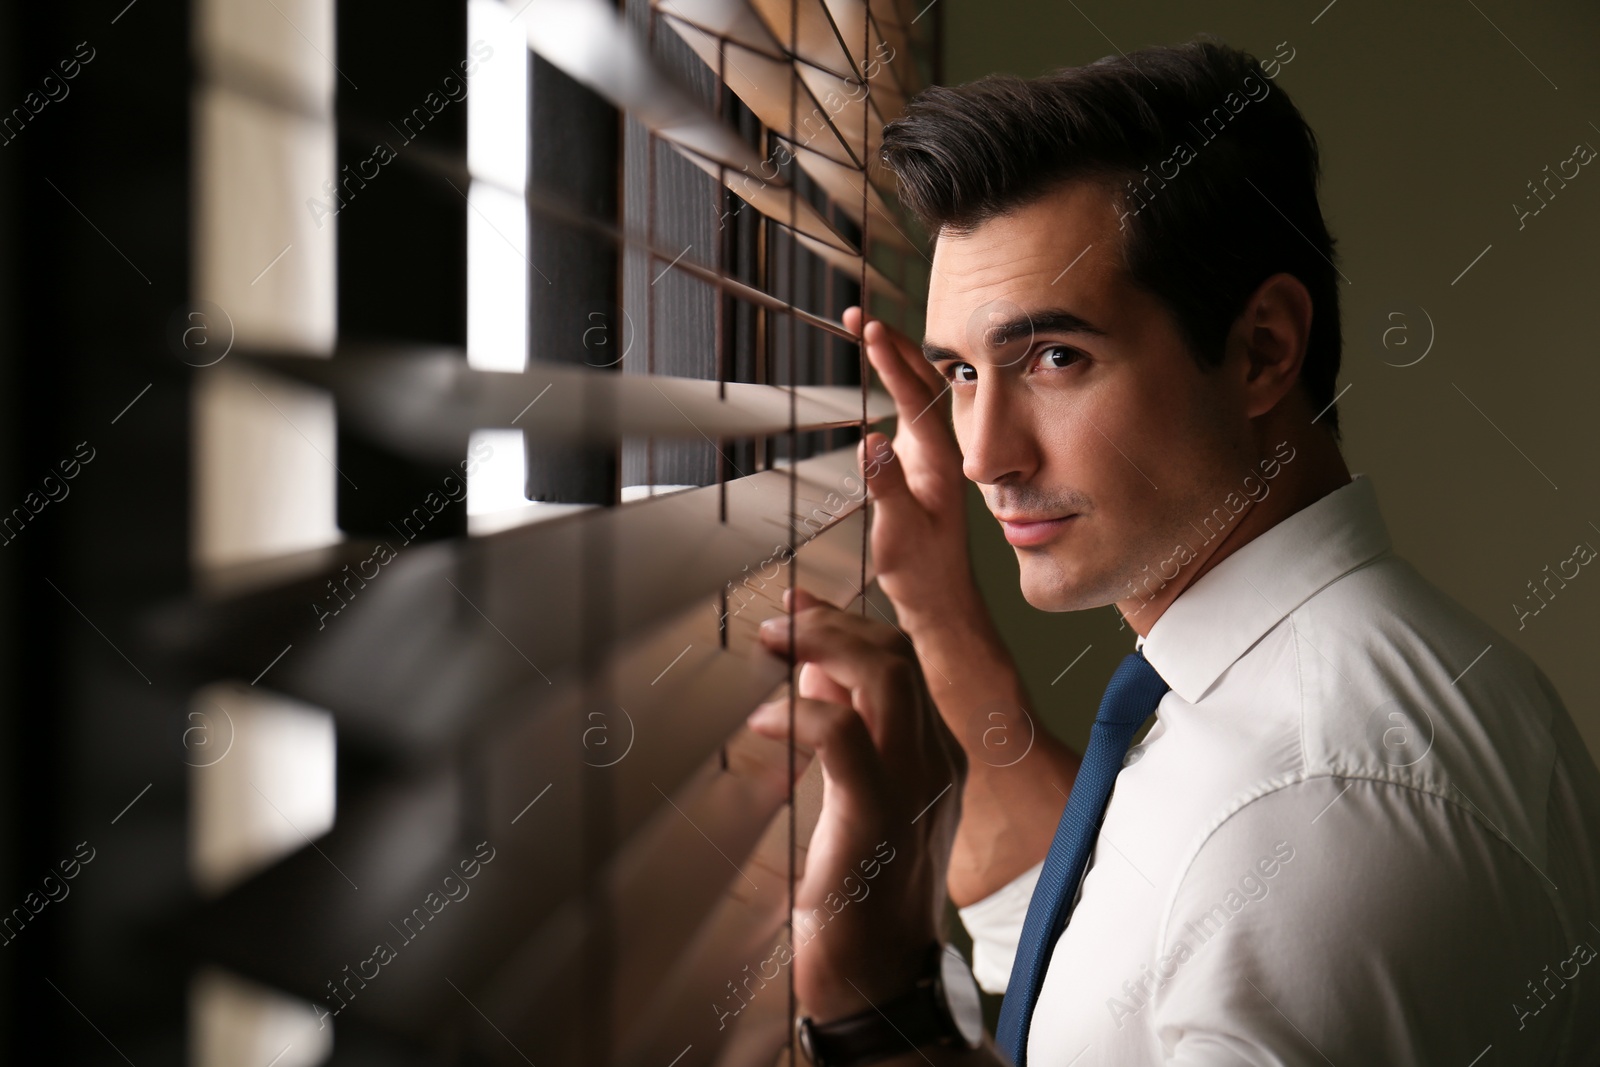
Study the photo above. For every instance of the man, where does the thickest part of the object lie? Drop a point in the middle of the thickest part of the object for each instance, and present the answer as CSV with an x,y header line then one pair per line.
x,y
1361,829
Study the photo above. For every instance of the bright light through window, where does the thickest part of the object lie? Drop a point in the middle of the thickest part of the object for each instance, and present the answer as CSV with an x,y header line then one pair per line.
x,y
499,482
497,100
497,209
497,487
497,279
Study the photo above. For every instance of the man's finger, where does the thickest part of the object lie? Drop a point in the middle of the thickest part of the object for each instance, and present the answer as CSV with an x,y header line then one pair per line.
x,y
885,477
865,628
839,737
911,391
854,652
911,381
880,334
803,598
916,393
814,684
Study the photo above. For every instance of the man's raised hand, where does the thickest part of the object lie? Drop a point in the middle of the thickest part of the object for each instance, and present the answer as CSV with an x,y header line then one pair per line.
x,y
919,528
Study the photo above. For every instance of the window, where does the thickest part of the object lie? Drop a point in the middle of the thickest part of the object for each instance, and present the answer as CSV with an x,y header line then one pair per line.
x,y
527,394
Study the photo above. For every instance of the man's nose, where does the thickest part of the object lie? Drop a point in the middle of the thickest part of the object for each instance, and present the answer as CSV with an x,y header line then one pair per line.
x,y
996,437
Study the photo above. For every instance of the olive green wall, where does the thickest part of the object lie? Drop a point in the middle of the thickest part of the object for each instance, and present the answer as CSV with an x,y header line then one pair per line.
x,y
1484,454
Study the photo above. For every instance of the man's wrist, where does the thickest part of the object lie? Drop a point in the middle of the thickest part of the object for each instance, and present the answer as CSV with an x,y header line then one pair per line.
x,y
957,606
957,643
848,995
940,1008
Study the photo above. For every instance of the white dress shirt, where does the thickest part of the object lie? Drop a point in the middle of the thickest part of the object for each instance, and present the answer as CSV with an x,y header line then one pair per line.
x,y
1362,830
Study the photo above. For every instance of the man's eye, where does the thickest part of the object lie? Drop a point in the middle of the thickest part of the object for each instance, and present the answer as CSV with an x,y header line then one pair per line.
x,y
1057,357
962,372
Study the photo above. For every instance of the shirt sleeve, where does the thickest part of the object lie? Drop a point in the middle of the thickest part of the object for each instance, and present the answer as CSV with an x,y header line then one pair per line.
x,y
1360,921
995,923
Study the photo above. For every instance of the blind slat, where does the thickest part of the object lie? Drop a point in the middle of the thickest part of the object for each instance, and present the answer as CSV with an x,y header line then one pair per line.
x,y
426,403
756,44
742,931
662,893
828,38
685,262
887,22
590,43
299,923
430,635
843,184
527,901
765,84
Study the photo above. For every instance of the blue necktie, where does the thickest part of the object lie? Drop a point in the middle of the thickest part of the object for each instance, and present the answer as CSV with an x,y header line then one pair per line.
x,y
1131,697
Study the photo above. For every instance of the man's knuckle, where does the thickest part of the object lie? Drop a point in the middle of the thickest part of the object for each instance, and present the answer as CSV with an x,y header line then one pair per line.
x,y
812,615
838,722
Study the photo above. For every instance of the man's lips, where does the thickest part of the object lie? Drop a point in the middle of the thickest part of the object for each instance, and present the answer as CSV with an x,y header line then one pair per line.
x,y
1025,531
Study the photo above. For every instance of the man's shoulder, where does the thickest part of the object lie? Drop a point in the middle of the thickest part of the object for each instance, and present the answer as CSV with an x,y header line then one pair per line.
x,y
1392,770
1398,680
1378,892
1387,604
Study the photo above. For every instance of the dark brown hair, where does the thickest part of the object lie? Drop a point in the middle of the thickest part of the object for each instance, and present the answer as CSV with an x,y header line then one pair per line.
x,y
1214,169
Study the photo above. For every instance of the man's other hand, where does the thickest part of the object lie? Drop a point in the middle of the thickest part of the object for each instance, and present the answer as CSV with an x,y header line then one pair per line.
x,y
872,895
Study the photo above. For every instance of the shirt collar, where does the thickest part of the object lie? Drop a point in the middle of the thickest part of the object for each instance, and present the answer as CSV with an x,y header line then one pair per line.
x,y
1220,617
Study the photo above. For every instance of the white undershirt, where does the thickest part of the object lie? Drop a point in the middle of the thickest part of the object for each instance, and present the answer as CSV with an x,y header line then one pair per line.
x,y
1328,848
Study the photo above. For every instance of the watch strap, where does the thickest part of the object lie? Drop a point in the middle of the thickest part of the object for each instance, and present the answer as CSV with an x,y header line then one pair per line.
x,y
904,1024
916,1018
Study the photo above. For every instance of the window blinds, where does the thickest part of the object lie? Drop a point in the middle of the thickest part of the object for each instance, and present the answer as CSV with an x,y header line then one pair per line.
x,y
565,695
589,41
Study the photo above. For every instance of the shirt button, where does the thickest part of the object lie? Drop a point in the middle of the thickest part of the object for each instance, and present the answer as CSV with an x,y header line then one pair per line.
x,y
1135,754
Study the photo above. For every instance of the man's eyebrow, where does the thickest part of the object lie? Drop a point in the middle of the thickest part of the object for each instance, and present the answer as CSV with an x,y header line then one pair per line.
x,y
1053,321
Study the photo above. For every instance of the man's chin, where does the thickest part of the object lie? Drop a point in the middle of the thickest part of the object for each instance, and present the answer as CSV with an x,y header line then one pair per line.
x,y
1048,586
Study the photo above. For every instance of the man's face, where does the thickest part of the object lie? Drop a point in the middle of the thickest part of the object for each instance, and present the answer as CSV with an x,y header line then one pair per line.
x,y
1091,430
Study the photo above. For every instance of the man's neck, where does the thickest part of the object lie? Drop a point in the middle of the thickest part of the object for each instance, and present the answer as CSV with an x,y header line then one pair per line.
x,y
1316,470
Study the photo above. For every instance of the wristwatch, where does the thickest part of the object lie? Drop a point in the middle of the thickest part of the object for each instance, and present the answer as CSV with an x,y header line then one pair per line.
x,y
942,1008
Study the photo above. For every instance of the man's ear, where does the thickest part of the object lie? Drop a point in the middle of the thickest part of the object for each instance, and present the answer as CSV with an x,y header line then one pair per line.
x,y
1273,330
